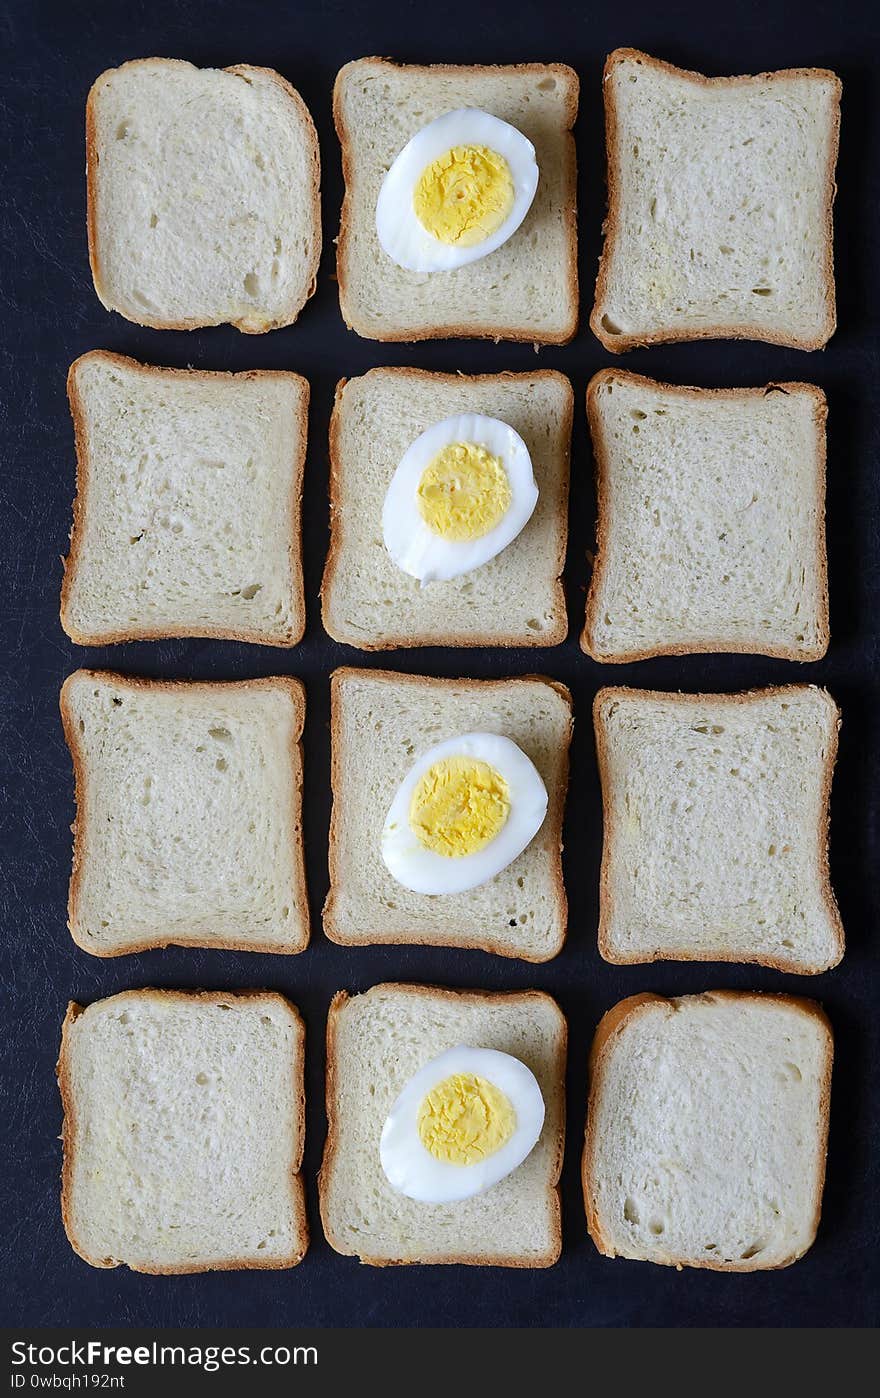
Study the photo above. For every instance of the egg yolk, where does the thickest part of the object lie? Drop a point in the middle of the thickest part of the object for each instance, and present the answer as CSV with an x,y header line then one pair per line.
x,y
464,1119
464,492
464,196
459,806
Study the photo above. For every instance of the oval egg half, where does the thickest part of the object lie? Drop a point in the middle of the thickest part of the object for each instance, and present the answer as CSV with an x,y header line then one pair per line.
x,y
464,811
459,189
463,1122
461,493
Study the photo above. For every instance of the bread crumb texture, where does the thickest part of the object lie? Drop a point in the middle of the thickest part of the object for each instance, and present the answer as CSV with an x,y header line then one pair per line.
x,y
183,1131
716,820
188,826
711,533
707,1130
187,516
720,197
203,195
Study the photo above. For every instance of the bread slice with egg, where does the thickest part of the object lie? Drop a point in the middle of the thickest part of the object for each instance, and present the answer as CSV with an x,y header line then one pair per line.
x,y
186,520
516,599
184,1120
716,827
380,723
203,195
189,814
707,1128
376,1042
711,527
720,192
525,290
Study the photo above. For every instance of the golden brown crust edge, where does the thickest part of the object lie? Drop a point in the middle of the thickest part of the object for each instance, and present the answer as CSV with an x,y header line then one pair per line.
x,y
601,458
617,344
555,813
463,332
254,636
556,635
610,693
337,1005
611,1025
296,691
69,1128
246,325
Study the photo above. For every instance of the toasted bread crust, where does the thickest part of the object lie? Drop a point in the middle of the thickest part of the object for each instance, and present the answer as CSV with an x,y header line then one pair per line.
x,y
566,75
246,324
612,1024
70,1125
331,1144
602,461
554,817
296,690
255,635
617,344
609,827
394,640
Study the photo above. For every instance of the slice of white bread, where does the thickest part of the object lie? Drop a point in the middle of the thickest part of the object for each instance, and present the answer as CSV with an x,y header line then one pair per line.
x,y
203,195
188,510
517,598
189,814
527,289
184,1120
707,1128
716,827
711,530
720,193
380,722
375,1043
187,515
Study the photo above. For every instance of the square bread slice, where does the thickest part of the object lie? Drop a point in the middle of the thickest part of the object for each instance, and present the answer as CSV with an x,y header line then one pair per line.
x,y
203,195
711,528
189,814
187,515
528,288
707,1128
720,193
716,827
380,722
517,598
375,1043
184,1119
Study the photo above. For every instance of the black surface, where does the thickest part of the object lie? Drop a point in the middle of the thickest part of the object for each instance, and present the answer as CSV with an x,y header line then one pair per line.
x,y
50,314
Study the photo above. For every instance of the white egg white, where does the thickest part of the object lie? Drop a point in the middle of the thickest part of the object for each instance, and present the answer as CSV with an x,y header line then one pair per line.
x,y
403,237
424,871
415,547
409,1166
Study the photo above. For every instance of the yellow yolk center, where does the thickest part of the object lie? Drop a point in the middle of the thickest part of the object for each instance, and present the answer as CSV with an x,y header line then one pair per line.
x,y
464,196
464,492
459,806
464,1119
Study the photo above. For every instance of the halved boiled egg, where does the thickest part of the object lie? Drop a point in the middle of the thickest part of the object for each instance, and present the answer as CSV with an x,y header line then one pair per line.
x,y
462,492
463,812
458,190
463,1122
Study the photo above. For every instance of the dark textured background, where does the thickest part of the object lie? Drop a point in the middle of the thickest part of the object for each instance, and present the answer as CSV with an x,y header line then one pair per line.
x,y
50,314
